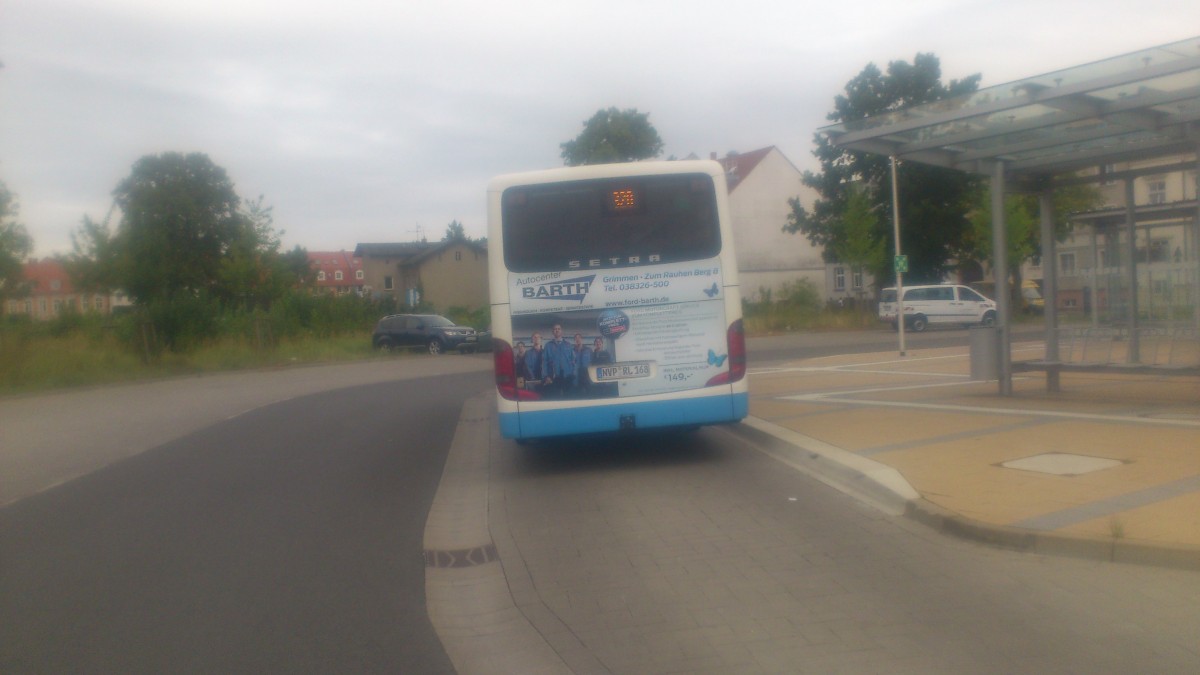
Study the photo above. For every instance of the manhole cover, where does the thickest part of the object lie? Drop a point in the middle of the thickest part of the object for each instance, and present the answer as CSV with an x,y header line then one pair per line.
x,y
1061,464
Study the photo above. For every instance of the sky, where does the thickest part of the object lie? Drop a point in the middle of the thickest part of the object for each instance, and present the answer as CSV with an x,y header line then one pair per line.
x,y
372,121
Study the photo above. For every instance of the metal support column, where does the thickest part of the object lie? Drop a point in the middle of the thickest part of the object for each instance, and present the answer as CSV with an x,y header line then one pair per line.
x,y
899,274
1132,313
1000,274
1196,248
1049,284
1091,296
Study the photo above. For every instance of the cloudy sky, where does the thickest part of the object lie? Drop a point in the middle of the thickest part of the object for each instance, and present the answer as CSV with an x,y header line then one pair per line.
x,y
366,121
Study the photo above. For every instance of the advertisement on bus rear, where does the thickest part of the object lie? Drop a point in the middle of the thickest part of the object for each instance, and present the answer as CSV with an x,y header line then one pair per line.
x,y
618,333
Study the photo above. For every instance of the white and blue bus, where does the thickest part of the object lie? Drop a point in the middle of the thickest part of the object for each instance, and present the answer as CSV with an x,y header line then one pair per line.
x,y
615,302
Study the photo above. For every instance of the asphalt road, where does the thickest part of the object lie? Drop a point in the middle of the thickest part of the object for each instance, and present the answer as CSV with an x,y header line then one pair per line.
x,y
286,539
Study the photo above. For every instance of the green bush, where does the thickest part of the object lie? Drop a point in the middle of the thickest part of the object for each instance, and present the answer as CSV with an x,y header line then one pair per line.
x,y
192,334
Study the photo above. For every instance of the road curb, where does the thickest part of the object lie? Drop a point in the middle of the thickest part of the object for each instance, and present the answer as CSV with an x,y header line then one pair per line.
x,y
954,524
884,487
865,479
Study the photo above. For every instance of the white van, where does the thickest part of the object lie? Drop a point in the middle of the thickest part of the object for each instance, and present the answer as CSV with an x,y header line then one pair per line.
x,y
943,304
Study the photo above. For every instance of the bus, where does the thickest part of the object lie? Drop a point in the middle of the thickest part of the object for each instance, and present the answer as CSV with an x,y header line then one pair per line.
x,y
614,297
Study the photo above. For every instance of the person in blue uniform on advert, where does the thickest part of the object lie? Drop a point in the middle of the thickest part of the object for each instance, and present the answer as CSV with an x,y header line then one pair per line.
x,y
583,359
558,365
534,358
520,367
599,353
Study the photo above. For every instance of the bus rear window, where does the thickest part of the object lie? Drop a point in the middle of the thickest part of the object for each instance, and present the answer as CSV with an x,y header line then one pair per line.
x,y
610,223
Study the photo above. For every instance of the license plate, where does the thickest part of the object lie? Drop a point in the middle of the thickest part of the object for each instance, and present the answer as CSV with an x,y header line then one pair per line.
x,y
622,371
471,338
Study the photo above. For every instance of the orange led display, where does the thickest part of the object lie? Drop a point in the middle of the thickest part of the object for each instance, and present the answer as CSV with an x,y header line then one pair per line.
x,y
623,200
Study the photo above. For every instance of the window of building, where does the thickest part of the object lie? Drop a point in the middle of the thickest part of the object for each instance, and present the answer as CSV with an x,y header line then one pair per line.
x,y
1159,251
321,275
458,255
29,307
358,274
387,284
1108,170
1066,263
337,276
98,303
1157,188
839,278
858,278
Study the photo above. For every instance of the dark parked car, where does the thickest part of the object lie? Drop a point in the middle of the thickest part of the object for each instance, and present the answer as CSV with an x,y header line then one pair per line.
x,y
435,333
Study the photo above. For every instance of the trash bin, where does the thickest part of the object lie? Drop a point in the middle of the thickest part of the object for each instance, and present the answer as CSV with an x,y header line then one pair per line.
x,y
985,352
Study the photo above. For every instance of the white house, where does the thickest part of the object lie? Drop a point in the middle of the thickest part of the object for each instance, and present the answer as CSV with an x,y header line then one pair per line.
x,y
760,184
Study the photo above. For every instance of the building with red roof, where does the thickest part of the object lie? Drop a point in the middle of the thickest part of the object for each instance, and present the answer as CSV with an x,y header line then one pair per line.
x,y
337,272
51,294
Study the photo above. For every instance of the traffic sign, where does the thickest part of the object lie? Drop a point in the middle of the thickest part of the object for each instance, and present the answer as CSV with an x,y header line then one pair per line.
x,y
901,264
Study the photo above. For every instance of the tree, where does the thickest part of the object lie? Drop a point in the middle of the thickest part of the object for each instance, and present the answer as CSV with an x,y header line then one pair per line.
x,y
934,201
15,246
613,136
180,218
1022,223
185,233
253,272
455,232
95,264
860,248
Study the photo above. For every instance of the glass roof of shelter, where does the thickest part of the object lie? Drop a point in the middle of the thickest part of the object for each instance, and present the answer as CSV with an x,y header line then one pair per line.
x,y
1141,105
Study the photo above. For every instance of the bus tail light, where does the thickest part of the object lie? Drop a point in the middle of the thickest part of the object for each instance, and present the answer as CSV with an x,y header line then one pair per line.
x,y
735,337
506,374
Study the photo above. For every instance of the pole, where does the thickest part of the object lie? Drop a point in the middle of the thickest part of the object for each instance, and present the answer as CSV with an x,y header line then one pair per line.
x,y
899,274
1049,284
1131,315
1000,274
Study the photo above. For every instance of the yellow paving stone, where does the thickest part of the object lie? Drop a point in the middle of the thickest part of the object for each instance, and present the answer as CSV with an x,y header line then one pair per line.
x,y
965,475
856,428
1171,521
773,410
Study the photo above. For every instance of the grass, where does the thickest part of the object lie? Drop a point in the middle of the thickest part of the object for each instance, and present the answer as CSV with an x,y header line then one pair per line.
x,y
42,357
42,362
78,351
781,319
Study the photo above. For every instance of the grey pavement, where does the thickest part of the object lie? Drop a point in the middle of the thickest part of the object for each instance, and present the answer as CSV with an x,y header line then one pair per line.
x,y
727,551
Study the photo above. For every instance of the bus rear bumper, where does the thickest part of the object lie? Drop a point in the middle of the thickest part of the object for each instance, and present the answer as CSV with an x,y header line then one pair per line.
x,y
723,409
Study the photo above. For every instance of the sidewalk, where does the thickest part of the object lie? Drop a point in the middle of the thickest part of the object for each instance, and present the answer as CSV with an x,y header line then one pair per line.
x,y
1109,467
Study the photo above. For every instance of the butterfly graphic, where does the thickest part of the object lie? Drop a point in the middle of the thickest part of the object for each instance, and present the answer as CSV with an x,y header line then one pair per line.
x,y
710,292
714,360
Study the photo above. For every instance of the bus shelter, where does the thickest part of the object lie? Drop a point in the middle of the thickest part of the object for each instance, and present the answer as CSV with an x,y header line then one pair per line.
x,y
1109,123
